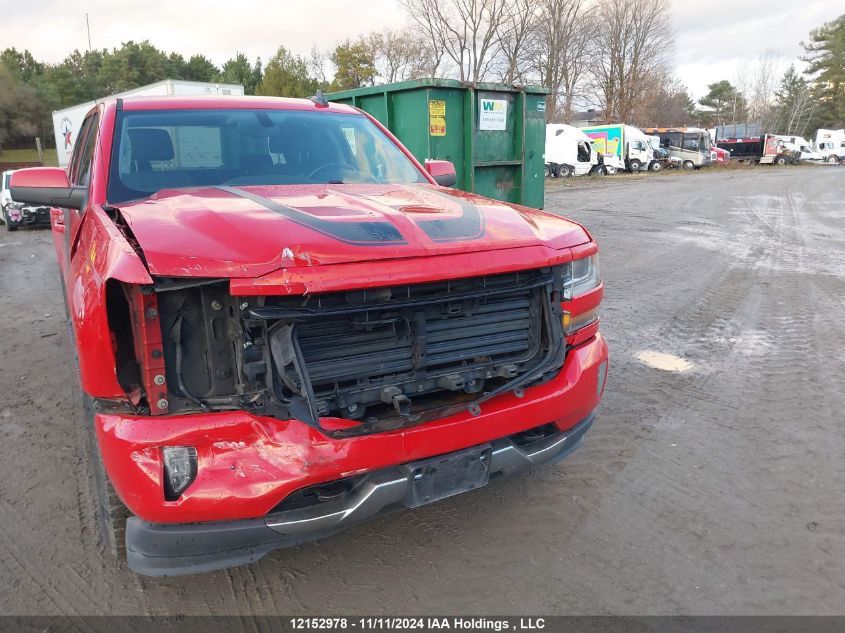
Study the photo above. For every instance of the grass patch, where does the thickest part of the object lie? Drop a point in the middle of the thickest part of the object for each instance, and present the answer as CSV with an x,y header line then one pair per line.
x,y
29,156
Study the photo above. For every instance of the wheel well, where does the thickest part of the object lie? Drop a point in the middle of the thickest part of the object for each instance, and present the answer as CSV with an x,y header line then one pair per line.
x,y
120,326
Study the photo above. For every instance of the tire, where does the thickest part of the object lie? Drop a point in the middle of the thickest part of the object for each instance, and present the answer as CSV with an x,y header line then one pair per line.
x,y
110,513
833,160
548,171
10,226
634,166
780,160
688,165
656,166
564,171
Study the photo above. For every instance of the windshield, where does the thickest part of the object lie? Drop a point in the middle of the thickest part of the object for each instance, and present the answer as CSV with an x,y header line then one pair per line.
x,y
168,149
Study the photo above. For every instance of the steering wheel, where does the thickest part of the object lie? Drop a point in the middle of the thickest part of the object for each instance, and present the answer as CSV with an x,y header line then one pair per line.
x,y
343,166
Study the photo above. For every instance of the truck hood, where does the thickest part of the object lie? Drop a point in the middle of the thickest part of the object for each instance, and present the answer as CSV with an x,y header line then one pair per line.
x,y
249,231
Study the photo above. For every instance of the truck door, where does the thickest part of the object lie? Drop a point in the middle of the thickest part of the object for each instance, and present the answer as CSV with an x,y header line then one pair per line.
x,y
66,221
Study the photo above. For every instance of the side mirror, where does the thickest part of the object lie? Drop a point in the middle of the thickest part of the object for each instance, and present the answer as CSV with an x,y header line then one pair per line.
x,y
46,186
442,171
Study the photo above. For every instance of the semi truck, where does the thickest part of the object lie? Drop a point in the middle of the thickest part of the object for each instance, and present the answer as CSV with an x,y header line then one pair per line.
x,y
622,146
689,146
767,149
67,122
831,144
569,152
802,147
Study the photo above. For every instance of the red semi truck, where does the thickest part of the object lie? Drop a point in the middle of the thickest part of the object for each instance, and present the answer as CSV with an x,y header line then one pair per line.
x,y
286,325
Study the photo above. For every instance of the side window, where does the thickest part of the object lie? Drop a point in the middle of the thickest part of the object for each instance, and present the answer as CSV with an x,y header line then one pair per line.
x,y
83,172
76,155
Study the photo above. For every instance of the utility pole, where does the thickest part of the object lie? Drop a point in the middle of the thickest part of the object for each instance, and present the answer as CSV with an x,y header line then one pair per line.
x,y
88,28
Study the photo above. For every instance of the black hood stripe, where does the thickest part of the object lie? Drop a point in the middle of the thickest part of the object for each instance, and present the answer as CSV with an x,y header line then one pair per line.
x,y
375,233
469,226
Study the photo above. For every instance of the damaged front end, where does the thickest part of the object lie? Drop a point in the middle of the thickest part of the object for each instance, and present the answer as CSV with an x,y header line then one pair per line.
x,y
353,362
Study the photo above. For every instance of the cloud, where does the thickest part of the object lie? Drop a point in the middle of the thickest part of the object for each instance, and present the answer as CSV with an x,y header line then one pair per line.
x,y
713,37
51,29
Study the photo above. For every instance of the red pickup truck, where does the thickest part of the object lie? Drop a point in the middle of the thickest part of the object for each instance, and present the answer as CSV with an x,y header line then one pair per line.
x,y
286,325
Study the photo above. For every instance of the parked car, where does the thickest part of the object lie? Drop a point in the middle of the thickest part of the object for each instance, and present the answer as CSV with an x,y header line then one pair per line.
x,y
301,327
5,194
14,213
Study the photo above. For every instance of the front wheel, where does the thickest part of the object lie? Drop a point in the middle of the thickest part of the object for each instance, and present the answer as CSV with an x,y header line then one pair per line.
x,y
10,225
564,171
656,166
780,160
689,165
634,165
833,160
110,513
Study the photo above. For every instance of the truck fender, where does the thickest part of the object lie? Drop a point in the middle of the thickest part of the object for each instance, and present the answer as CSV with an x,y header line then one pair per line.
x,y
101,252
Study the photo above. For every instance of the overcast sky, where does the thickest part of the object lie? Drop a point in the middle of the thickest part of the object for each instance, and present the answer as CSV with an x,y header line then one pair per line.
x,y
712,37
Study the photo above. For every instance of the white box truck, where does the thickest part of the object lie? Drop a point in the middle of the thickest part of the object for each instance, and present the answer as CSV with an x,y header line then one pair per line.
x,y
569,152
831,144
66,122
622,146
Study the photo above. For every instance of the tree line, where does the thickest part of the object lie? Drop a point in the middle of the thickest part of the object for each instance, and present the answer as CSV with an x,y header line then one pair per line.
x,y
612,57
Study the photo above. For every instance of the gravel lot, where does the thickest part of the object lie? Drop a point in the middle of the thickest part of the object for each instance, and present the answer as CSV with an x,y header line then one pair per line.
x,y
718,489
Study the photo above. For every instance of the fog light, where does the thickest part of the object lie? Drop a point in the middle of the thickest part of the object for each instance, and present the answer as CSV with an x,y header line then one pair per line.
x,y
180,469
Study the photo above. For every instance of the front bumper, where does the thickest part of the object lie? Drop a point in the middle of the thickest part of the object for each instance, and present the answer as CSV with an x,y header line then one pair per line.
x,y
248,464
31,216
167,549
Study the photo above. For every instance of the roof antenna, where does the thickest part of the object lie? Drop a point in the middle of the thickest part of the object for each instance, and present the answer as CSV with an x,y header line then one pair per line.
x,y
319,99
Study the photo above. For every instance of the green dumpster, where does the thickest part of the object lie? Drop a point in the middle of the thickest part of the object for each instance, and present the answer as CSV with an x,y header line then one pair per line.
x,y
494,134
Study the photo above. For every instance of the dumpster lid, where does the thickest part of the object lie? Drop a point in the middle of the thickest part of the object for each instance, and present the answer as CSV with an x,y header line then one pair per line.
x,y
433,82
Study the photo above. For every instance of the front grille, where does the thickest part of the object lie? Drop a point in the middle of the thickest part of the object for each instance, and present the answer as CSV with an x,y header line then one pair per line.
x,y
403,350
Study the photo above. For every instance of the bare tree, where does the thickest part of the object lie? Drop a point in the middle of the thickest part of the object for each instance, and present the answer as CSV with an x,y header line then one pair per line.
x,y
465,30
514,32
318,62
400,55
633,43
760,82
559,51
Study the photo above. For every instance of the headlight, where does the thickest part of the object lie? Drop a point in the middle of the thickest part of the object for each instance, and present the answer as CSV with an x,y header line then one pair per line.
x,y
584,275
180,469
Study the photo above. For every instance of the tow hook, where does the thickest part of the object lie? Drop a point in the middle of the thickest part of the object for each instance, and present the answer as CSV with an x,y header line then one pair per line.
x,y
400,402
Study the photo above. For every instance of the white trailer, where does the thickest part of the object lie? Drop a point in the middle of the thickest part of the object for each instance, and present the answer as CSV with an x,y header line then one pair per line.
x,y
831,144
569,152
66,122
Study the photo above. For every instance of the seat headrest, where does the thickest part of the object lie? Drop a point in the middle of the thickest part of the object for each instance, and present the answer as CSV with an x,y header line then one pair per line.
x,y
150,144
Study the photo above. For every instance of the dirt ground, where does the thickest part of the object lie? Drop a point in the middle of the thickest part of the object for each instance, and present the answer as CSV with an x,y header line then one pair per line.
x,y
718,489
